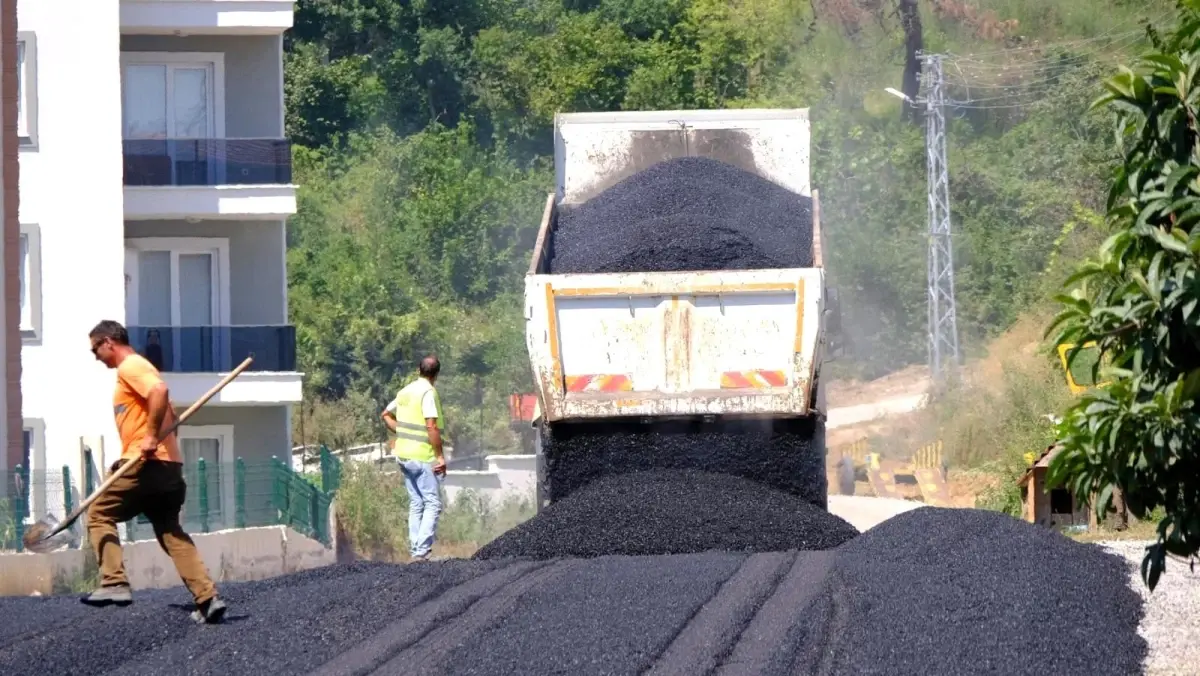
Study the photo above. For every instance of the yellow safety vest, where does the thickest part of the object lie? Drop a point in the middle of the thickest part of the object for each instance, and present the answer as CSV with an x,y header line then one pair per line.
x,y
412,439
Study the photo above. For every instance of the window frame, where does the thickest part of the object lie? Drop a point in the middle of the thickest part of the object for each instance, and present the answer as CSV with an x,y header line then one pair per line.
x,y
27,97
35,498
214,61
176,246
29,271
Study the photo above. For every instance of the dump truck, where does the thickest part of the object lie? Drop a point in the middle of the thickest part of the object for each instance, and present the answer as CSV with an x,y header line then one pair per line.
x,y
639,361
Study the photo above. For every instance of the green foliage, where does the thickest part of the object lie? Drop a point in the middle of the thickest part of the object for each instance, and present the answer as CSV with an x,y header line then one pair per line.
x,y
406,246
425,134
373,509
1138,300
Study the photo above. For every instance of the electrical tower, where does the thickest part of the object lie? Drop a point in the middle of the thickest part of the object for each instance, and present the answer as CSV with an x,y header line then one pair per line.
x,y
943,325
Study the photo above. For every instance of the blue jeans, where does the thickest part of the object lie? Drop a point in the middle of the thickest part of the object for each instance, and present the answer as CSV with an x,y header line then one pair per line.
x,y
424,504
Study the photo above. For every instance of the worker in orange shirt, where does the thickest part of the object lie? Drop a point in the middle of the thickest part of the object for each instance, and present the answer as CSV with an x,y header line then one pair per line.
x,y
142,407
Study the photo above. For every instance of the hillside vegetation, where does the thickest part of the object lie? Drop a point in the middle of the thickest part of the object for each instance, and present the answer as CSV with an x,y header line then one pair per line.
x,y
423,134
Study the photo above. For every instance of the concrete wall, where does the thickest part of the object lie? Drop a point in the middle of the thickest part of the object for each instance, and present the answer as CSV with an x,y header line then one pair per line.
x,y
231,556
71,202
257,262
253,77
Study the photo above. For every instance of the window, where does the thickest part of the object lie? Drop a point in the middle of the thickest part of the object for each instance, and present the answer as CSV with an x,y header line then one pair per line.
x,y
35,482
30,276
176,283
175,95
213,444
27,89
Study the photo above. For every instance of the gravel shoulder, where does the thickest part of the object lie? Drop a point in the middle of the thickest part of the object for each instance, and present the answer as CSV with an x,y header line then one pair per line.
x,y
1171,625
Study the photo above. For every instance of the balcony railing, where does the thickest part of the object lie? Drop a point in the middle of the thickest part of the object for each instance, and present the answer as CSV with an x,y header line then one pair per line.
x,y
207,161
215,349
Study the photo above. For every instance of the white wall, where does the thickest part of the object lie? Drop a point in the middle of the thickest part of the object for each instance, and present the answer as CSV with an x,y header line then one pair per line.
x,y
71,187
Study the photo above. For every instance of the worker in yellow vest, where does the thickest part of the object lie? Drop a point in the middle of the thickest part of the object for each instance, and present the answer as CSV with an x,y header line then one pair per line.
x,y
415,415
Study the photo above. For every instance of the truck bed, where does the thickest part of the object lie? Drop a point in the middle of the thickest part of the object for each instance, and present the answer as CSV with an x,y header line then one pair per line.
x,y
665,344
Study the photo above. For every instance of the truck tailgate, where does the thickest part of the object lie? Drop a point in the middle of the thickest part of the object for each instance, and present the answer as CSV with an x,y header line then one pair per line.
x,y
674,343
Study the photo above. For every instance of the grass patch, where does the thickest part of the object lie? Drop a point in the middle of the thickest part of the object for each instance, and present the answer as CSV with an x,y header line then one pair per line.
x,y
78,582
373,508
1137,530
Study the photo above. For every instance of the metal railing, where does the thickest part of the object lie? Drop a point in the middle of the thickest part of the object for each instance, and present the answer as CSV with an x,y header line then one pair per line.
x,y
238,494
214,349
207,161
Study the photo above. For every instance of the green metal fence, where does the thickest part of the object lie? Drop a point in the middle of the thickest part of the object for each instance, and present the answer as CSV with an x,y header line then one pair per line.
x,y
220,495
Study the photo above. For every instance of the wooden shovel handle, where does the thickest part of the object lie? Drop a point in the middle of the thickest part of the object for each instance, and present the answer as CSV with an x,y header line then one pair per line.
x,y
75,513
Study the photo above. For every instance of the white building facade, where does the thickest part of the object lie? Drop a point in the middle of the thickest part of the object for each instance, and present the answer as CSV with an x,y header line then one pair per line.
x,y
155,183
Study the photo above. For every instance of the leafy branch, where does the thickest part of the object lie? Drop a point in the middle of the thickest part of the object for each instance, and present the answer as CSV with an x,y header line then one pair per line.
x,y
1138,302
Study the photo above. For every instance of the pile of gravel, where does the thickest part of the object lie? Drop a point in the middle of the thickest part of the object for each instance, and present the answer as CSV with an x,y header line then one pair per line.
x,y
671,512
688,213
944,591
781,454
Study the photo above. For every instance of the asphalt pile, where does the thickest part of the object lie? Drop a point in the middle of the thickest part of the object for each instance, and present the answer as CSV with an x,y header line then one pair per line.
x,y
671,512
687,213
931,591
776,454
968,591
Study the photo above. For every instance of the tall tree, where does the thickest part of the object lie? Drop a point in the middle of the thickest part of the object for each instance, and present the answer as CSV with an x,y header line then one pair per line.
x,y
1139,302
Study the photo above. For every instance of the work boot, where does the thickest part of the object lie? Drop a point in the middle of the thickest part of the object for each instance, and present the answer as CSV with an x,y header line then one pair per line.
x,y
210,612
120,594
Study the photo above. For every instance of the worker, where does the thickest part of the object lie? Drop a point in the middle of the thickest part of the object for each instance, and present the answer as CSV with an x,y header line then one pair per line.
x,y
156,489
415,415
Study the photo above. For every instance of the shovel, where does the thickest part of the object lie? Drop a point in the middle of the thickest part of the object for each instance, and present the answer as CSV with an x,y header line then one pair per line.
x,y
47,534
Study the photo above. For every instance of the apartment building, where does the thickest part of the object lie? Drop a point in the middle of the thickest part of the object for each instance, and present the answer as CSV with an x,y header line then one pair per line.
x,y
155,182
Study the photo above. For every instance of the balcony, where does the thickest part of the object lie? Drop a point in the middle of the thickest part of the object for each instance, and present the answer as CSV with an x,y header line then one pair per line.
x,y
206,17
210,178
194,358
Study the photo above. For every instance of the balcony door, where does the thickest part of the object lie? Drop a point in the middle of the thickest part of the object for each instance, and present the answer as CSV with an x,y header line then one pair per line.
x,y
213,444
177,298
175,99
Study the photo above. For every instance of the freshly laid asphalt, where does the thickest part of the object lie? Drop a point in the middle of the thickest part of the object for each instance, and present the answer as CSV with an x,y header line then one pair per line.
x,y
931,591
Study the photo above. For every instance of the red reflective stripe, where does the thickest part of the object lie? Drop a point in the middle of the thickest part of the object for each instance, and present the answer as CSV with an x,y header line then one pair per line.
x,y
735,380
577,383
774,378
615,383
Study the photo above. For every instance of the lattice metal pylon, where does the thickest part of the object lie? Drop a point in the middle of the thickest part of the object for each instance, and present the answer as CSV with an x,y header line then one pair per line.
x,y
943,323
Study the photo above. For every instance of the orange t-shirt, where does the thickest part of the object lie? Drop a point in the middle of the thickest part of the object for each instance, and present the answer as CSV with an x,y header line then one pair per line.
x,y
135,378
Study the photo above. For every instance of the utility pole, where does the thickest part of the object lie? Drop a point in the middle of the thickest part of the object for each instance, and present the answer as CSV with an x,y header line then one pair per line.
x,y
943,323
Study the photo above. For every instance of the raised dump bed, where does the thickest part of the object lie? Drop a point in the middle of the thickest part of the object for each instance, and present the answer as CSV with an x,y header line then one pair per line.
x,y
681,343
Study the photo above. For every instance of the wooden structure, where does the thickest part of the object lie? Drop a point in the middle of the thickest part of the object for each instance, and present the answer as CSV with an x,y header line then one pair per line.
x,y
1049,507
522,411
926,471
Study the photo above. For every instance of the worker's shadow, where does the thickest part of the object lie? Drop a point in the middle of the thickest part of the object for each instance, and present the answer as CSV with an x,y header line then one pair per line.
x,y
229,618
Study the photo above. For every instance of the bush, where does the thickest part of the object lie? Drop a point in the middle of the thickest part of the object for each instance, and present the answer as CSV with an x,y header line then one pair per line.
x,y
372,505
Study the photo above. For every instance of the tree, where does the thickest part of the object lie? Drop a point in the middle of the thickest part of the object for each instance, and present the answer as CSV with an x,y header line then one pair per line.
x,y
1139,301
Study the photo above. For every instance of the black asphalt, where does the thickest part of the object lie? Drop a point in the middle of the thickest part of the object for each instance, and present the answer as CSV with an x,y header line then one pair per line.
x,y
671,512
932,591
687,213
787,454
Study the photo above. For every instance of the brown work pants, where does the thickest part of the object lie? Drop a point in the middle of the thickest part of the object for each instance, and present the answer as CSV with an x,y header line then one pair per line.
x,y
157,490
